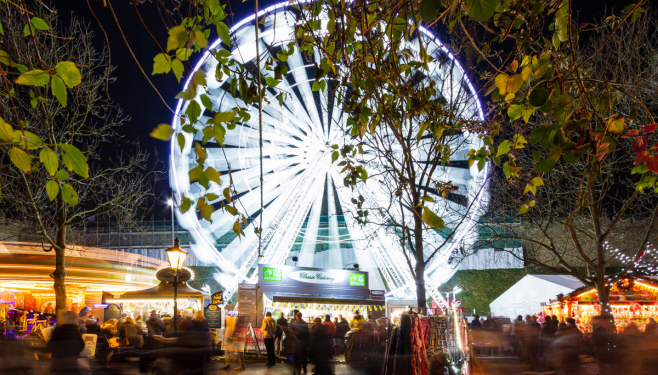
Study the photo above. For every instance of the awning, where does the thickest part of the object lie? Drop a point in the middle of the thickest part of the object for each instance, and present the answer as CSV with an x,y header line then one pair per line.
x,y
303,298
164,291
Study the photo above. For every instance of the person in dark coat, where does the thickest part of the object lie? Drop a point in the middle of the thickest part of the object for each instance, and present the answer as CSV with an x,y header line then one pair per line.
x,y
604,339
130,334
300,355
546,339
342,327
319,349
476,321
281,324
66,345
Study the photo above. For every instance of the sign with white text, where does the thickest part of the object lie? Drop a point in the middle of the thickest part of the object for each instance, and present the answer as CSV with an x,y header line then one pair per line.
x,y
284,277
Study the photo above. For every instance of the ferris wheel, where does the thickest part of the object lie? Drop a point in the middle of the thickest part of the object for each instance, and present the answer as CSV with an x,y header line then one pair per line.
x,y
306,208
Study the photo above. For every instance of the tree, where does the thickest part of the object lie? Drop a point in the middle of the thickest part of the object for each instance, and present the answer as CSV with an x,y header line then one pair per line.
x,y
590,217
58,131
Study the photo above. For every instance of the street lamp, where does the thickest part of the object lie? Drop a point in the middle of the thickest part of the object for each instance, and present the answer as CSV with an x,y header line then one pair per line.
x,y
176,258
354,265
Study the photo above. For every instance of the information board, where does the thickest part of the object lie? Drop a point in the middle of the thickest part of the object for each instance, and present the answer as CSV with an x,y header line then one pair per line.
x,y
214,316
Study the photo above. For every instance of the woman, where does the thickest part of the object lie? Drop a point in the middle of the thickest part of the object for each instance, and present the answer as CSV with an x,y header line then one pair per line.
x,y
130,334
200,322
109,340
139,323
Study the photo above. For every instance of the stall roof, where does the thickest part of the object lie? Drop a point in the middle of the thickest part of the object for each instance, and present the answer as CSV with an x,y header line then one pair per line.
x,y
525,297
164,290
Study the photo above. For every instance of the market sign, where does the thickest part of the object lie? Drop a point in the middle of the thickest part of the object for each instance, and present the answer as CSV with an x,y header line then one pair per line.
x,y
357,279
217,298
282,278
317,277
272,274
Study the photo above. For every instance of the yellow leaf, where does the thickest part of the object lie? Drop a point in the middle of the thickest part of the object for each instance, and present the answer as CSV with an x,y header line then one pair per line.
x,y
501,83
526,73
514,83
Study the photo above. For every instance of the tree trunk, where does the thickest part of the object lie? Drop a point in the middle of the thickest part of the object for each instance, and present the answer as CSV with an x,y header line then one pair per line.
x,y
420,264
59,275
604,295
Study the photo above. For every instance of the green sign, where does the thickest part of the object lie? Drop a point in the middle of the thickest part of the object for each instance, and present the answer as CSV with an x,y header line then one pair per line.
x,y
272,274
357,279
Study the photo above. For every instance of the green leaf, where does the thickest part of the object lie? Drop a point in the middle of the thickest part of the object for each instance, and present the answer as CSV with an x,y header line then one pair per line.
x,y
481,10
429,10
59,90
211,197
52,188
161,64
25,138
334,156
74,160
180,138
545,166
205,100
177,38
223,32
224,116
227,194
427,198
40,24
272,82
184,53
237,228
69,73
538,97
6,131
530,188
193,111
214,6
49,160
200,39
515,111
185,205
431,219
20,159
62,175
178,68
69,195
524,208
2,31
220,133
162,132
34,77
231,210
212,175
504,148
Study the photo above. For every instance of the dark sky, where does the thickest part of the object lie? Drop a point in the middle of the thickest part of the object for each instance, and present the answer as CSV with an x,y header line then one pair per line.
x,y
132,91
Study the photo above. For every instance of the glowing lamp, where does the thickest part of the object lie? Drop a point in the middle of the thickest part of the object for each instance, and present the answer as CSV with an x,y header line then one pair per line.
x,y
176,256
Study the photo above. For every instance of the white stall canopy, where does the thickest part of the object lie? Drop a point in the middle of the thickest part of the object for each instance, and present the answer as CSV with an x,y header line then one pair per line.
x,y
525,297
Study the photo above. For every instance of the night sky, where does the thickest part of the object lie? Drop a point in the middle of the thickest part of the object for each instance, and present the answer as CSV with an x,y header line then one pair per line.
x,y
132,91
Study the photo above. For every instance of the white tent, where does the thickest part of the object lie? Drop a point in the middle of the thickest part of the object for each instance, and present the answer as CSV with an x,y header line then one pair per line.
x,y
526,296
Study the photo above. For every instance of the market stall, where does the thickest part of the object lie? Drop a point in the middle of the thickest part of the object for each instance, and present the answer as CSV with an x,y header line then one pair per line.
x,y
161,297
315,293
631,300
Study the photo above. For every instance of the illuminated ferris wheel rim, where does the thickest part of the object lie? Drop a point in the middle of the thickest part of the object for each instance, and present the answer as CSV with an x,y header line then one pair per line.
x,y
196,228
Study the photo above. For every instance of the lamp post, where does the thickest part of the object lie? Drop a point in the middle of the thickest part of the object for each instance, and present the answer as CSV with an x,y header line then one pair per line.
x,y
176,258
455,290
170,203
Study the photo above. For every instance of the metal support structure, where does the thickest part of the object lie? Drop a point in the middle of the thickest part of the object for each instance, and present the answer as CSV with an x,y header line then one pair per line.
x,y
175,302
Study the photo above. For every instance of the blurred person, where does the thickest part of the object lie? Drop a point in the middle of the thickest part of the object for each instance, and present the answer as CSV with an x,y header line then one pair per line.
x,y
530,343
381,337
231,343
130,333
65,345
341,319
319,348
517,336
139,323
546,340
650,328
476,321
110,340
356,324
339,336
121,321
91,326
604,340
281,325
269,332
630,347
568,342
200,323
302,335
154,326
555,320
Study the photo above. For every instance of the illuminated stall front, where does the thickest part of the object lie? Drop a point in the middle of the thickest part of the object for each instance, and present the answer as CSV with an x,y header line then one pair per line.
x,y
26,285
161,297
631,301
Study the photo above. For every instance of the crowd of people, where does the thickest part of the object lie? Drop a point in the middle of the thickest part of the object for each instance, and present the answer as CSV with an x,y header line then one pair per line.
x,y
555,345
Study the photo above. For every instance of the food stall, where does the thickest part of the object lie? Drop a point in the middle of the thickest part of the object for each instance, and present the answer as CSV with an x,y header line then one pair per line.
x,y
631,300
161,297
317,292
